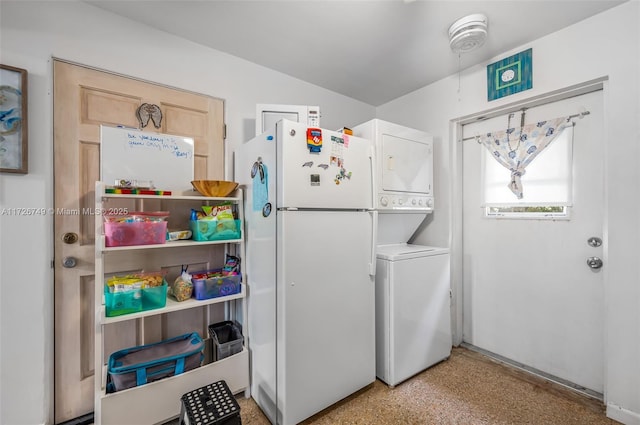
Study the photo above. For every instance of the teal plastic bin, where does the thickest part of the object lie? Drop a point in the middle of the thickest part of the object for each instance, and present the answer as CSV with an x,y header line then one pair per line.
x,y
213,230
119,303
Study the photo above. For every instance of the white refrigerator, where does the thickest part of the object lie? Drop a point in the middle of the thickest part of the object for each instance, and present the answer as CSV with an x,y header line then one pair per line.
x,y
310,267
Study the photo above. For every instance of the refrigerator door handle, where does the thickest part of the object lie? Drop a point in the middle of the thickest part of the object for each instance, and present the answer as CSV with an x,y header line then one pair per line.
x,y
374,242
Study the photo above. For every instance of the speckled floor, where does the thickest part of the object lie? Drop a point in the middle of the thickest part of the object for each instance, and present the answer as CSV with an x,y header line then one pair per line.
x,y
466,389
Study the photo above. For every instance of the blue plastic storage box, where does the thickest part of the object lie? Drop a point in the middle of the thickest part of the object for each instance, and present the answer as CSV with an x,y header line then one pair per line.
x,y
139,365
211,284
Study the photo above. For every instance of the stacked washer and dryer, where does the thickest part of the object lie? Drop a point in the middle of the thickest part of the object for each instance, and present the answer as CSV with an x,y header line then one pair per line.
x,y
413,322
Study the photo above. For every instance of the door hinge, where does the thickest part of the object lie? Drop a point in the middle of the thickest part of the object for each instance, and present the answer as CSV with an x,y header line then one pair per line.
x,y
224,131
53,263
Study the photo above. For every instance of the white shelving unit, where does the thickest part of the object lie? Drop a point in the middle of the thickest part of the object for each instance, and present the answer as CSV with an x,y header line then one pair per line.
x,y
159,401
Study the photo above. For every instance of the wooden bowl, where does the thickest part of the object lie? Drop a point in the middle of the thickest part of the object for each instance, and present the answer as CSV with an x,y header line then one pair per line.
x,y
214,188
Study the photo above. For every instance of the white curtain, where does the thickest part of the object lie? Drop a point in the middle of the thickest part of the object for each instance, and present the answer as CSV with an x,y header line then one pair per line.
x,y
516,148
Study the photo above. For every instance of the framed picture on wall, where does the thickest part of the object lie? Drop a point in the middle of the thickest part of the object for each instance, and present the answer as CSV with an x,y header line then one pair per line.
x,y
510,75
13,120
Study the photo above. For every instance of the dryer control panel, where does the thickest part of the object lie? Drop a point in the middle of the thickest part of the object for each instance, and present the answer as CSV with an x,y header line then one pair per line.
x,y
394,202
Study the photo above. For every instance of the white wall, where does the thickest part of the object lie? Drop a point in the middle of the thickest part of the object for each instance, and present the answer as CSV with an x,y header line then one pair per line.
x,y
30,34
606,45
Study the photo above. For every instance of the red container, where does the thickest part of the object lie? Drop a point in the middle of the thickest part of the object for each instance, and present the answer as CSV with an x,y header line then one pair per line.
x,y
136,233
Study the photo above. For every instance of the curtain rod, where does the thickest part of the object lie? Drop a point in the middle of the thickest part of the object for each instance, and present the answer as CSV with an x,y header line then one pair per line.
x,y
580,115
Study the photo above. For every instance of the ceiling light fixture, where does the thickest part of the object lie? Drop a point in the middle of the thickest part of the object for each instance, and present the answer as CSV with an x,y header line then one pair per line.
x,y
468,33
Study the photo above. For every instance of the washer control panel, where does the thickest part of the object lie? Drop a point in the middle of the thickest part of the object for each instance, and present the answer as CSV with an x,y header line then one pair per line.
x,y
405,202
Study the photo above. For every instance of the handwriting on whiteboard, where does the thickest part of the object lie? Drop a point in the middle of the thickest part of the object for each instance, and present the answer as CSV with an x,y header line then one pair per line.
x,y
166,144
129,154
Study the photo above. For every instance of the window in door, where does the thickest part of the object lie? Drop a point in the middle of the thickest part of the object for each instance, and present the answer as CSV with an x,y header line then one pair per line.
x,y
547,182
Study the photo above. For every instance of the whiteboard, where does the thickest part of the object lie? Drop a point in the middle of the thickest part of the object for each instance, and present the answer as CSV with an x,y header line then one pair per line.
x,y
131,154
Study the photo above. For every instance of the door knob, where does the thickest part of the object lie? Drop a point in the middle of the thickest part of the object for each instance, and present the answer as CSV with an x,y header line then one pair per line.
x,y
594,262
69,262
594,241
70,238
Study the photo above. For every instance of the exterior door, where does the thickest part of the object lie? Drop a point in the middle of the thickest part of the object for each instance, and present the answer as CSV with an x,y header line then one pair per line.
x,y
528,292
83,100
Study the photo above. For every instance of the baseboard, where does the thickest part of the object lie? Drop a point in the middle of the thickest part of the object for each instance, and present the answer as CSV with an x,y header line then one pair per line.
x,y
622,415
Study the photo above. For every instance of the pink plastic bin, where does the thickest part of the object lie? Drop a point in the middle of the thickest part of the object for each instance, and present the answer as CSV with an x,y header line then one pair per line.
x,y
136,233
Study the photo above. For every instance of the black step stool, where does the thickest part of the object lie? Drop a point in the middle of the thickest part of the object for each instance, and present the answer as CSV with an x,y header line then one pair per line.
x,y
213,404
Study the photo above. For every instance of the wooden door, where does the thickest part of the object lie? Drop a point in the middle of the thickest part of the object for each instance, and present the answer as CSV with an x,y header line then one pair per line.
x,y
84,99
